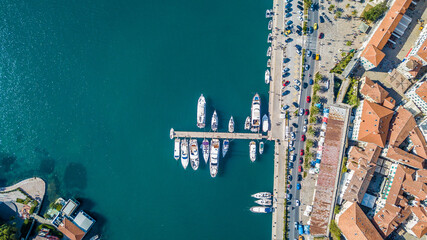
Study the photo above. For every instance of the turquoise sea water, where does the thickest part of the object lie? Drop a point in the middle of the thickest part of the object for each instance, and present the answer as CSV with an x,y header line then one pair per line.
x,y
90,89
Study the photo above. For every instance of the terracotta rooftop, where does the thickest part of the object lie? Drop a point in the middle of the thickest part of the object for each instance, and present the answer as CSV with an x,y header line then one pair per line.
x,y
375,123
363,163
398,82
375,92
406,158
420,145
402,123
71,230
420,229
356,226
379,39
422,91
422,175
415,188
390,217
327,177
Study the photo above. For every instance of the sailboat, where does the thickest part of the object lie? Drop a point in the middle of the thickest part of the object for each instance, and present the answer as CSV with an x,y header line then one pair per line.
x,y
231,125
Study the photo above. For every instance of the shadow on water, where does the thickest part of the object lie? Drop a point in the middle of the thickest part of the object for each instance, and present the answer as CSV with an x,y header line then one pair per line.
x,y
99,227
6,161
75,177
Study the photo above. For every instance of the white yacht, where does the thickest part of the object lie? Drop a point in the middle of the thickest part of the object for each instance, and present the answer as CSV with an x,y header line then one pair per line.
x,y
214,157
225,146
205,149
262,195
248,123
176,152
261,209
270,38
269,63
252,151
264,202
171,133
194,154
231,125
267,13
270,25
265,123
201,112
261,147
267,76
255,113
214,123
184,153
269,52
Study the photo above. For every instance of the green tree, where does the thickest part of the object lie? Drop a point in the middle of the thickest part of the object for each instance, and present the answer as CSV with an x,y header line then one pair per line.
x,y
376,12
331,7
316,87
348,43
316,99
335,231
309,143
312,119
311,131
347,6
315,110
338,13
318,77
8,232
354,13
337,209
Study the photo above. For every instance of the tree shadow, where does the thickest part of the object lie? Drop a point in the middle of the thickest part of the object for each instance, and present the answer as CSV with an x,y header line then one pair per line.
x,y
75,176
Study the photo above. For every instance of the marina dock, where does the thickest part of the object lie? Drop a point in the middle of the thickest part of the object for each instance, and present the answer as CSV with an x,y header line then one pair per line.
x,y
219,135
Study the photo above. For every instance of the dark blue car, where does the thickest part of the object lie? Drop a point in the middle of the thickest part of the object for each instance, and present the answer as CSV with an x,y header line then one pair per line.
x,y
311,82
288,14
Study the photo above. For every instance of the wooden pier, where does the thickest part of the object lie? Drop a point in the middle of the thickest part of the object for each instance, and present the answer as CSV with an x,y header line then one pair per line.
x,y
219,135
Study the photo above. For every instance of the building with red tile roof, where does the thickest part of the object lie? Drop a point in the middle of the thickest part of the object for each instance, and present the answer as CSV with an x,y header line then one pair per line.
x,y
420,228
374,124
403,157
418,94
376,93
372,55
420,145
390,217
355,225
71,230
415,188
362,163
401,125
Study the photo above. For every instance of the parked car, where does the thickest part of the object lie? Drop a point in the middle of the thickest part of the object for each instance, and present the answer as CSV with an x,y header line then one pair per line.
x,y
299,52
306,112
304,85
310,30
299,184
291,149
296,87
286,70
301,161
301,111
286,83
315,26
299,169
311,82
288,15
289,186
303,138
305,121
296,224
322,20
285,107
304,129
300,3
289,5
308,99
297,82
288,40
299,32
297,203
295,125
321,35
289,197
291,165
300,7
308,53
302,153
299,177
289,177
306,67
295,104
293,135
289,22
286,93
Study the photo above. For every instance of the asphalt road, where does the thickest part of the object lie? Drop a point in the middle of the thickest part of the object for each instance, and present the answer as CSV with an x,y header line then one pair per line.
x,y
309,44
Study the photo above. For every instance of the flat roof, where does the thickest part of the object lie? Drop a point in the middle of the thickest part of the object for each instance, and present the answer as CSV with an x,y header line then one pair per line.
x,y
84,221
328,174
69,207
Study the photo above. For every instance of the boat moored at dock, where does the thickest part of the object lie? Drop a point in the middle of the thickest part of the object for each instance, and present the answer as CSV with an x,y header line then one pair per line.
x,y
270,25
205,150
256,113
261,147
225,146
264,202
269,52
214,123
184,153
201,112
176,151
268,13
171,133
270,38
231,125
267,76
214,157
269,63
248,123
262,195
261,209
194,154
265,123
252,151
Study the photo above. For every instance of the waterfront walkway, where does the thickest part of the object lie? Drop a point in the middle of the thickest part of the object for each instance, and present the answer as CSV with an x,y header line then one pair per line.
x,y
219,135
35,187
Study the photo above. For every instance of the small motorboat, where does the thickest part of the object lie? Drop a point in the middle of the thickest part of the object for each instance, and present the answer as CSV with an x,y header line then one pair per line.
x,y
225,146
261,209
171,133
261,147
214,123
248,123
270,24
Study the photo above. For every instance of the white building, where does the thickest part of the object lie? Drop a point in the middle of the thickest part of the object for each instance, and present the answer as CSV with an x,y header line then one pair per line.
x,y
418,94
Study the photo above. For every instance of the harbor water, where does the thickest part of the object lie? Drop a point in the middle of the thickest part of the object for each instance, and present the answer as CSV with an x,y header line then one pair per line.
x,y
90,89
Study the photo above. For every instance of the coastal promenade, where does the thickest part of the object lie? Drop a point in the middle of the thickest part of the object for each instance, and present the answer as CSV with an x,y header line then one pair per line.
x,y
219,135
35,187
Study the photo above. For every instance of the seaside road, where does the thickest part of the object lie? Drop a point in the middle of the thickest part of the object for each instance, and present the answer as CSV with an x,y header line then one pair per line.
x,y
310,44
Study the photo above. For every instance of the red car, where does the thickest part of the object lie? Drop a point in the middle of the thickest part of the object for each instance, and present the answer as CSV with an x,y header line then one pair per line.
x,y
306,112
299,169
302,152
308,99
302,139
286,83
301,160
321,35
